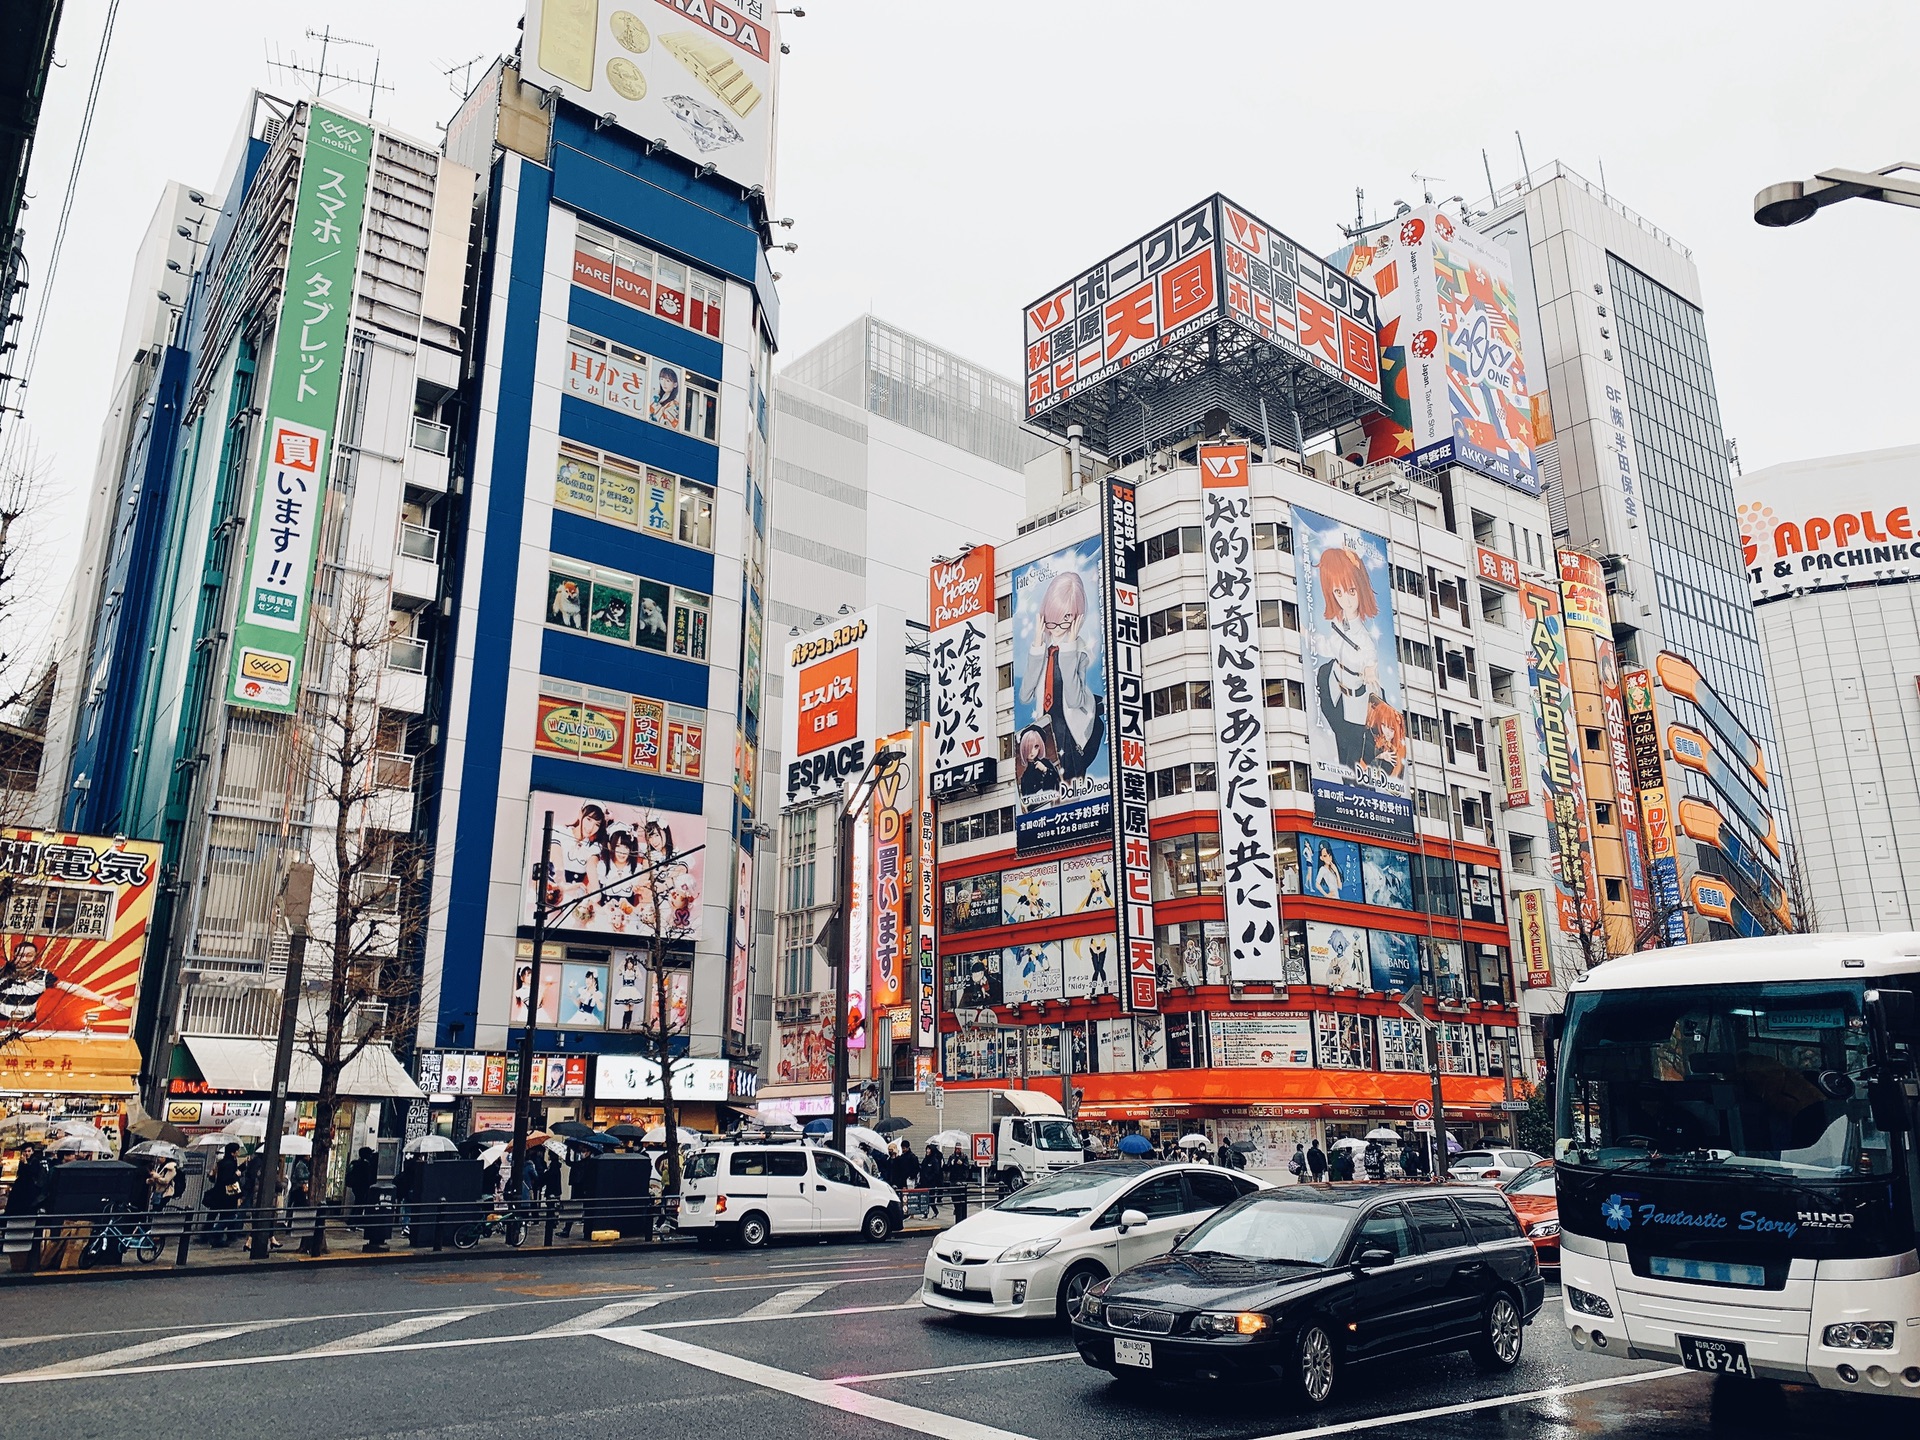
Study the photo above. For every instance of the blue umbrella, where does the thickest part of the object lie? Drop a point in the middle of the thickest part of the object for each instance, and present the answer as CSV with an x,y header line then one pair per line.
x,y
819,1127
1135,1145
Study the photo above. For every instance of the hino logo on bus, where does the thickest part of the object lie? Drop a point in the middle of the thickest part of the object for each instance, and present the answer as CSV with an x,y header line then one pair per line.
x,y
1826,1219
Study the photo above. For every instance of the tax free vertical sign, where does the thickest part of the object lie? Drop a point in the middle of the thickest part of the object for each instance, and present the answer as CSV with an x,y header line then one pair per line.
x,y
303,402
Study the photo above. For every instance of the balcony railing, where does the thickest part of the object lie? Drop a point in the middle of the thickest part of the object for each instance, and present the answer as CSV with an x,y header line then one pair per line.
x,y
431,436
419,543
393,771
406,654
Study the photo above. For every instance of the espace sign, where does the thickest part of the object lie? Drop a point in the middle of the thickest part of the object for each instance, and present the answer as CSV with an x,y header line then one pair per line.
x,y
831,705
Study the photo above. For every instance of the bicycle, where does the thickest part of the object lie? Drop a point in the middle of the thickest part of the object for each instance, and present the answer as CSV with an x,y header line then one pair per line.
x,y
138,1237
513,1223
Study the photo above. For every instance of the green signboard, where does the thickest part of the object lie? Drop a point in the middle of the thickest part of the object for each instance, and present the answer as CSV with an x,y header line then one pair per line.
x,y
303,403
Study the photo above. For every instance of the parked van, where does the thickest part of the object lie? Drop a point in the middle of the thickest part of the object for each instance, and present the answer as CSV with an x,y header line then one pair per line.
x,y
749,1193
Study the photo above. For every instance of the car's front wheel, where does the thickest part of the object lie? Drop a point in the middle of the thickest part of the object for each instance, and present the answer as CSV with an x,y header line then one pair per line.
x,y
876,1227
1073,1288
1501,1338
1311,1364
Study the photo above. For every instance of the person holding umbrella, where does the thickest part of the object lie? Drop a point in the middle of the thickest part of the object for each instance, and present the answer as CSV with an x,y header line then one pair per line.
x,y
1374,1159
1340,1163
1136,1145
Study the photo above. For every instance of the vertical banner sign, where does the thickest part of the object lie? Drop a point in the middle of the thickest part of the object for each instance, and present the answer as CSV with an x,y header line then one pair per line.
x,y
1356,704
1062,759
739,981
960,617
926,998
1513,763
1255,943
895,797
303,402
1532,920
1126,703
1656,815
1560,781
1614,710
858,907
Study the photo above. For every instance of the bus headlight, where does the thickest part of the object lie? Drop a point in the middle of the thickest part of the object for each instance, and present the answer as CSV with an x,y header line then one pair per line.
x,y
1860,1335
1587,1303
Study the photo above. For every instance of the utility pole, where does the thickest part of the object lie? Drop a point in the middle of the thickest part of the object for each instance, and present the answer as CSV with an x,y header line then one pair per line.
x,y
296,899
523,1091
840,937
1413,1004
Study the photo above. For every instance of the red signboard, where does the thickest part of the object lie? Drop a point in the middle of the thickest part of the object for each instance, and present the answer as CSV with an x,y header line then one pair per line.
x,y
1500,569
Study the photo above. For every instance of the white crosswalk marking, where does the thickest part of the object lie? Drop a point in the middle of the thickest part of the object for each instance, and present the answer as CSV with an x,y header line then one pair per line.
x,y
604,1316
389,1334
134,1354
787,1301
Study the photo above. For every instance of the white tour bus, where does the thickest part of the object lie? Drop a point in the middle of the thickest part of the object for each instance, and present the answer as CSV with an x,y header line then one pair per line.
x,y
1736,1160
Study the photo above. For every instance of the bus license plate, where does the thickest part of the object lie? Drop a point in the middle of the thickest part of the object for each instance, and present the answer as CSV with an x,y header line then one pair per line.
x,y
1138,1353
954,1280
1716,1357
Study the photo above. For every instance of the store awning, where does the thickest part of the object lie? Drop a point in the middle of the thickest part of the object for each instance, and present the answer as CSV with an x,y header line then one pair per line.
x,y
51,1066
239,1063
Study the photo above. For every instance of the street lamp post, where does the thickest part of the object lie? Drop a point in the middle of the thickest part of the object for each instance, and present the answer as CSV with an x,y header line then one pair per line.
x,y
1793,201
840,935
523,1089
296,898
1413,1004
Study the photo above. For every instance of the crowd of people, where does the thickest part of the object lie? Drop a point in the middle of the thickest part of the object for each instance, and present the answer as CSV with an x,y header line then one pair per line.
x,y
1373,1162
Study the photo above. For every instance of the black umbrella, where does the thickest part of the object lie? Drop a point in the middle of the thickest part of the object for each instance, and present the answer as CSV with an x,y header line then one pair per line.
x,y
626,1132
893,1123
573,1130
490,1136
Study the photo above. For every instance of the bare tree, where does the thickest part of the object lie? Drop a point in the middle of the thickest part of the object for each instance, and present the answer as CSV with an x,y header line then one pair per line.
x,y
23,656
669,904
370,900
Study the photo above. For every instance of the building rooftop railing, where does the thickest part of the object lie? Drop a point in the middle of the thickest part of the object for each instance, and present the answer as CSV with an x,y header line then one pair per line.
x,y
1559,171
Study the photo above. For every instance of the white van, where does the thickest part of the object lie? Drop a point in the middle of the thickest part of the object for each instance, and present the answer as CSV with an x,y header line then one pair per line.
x,y
751,1192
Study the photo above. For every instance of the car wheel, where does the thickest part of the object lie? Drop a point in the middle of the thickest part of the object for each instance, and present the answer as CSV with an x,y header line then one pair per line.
x,y
876,1227
754,1232
1073,1288
1308,1370
1501,1337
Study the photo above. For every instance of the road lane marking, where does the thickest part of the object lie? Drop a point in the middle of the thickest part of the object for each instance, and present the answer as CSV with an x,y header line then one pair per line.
x,y
604,1316
108,1360
1527,1397
952,1369
786,1302
804,1387
389,1334
56,1373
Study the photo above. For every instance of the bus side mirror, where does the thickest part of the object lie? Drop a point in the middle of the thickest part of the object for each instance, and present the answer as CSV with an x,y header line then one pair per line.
x,y
1887,1102
1893,1014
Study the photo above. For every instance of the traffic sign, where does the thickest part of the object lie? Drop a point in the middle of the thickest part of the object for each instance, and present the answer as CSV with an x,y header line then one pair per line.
x,y
1423,1110
1517,1107
983,1148
1423,1127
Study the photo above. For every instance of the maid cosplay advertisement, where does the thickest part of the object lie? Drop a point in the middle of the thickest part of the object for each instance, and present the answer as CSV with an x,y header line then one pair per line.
x,y
1356,704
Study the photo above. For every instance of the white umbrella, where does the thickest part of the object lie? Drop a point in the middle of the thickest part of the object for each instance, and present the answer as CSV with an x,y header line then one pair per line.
x,y
157,1150
217,1140
951,1137
493,1152
1349,1143
80,1142
296,1145
246,1127
658,1136
431,1145
872,1139
1383,1133
1194,1142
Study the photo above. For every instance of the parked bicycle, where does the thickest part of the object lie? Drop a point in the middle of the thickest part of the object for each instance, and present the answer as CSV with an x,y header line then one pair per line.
x,y
120,1231
513,1222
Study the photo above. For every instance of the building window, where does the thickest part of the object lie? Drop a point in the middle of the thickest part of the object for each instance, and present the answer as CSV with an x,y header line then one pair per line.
x,y
1175,619
1603,814
1286,694
605,604
1500,684
1423,727
1185,866
1169,543
1273,535
1613,890
1593,739
1295,775
637,497
1409,582
984,826
1415,654
663,393
1182,779
636,276
1174,699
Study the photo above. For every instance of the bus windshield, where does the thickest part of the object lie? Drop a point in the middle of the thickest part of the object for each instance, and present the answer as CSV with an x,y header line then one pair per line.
x,y
1764,1079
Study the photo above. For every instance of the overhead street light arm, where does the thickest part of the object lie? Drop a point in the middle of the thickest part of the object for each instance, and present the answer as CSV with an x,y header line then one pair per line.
x,y
1793,201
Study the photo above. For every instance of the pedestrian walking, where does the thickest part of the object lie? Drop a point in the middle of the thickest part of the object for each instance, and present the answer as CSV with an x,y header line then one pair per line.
x,y
532,1180
223,1197
1297,1166
555,1176
30,1182
1316,1161
1375,1161
957,1178
361,1175
1340,1163
1409,1159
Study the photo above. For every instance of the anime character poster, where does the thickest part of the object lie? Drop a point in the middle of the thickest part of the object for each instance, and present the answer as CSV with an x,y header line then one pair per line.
x,y
1337,956
1394,959
1356,703
1086,884
617,869
1062,761
1088,966
1388,875
1031,972
1333,869
1031,892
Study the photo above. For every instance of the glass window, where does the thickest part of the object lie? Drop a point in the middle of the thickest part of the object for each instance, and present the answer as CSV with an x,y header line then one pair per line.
x,y
747,1162
577,484
837,1169
702,407
690,613
1437,1223
1385,1229
1208,1191
696,514
1488,1218
1158,1199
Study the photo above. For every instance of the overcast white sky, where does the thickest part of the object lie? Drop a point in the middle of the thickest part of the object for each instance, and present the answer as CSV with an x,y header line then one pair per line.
x,y
946,163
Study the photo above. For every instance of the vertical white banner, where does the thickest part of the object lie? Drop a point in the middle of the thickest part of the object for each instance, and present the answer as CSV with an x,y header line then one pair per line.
x,y
1256,944
962,622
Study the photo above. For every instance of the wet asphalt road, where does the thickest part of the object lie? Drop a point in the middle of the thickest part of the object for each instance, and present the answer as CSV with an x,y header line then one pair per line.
x,y
812,1340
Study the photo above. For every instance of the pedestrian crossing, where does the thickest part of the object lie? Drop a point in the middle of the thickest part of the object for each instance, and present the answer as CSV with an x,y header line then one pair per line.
x,y
319,1338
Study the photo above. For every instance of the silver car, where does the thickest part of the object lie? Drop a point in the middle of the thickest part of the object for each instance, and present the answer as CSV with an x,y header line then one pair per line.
x,y
1489,1167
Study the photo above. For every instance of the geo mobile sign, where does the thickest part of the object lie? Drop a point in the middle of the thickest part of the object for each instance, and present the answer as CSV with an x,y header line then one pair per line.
x,y
303,401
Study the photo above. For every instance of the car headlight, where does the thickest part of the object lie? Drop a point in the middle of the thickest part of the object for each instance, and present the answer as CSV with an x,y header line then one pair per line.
x,y
1032,1250
1860,1335
1540,1229
1227,1322
1091,1309
1585,1303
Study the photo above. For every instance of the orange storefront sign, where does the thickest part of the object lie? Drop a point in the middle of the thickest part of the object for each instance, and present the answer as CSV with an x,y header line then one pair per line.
x,y
1309,1087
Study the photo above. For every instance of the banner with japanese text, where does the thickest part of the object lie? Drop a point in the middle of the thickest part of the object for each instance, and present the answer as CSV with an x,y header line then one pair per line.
x,y
303,402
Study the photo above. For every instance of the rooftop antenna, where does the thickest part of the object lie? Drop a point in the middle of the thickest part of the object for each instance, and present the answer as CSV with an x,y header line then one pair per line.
x,y
1359,210
466,78
1526,173
1426,185
320,78
1492,190
1603,177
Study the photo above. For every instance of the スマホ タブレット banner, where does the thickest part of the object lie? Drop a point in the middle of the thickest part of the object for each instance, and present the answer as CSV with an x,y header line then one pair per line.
x,y
1356,704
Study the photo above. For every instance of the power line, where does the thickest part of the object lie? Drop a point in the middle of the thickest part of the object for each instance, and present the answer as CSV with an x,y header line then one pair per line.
x,y
66,205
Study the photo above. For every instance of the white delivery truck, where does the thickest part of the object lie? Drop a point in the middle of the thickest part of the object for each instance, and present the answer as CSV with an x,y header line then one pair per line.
x,y
1031,1133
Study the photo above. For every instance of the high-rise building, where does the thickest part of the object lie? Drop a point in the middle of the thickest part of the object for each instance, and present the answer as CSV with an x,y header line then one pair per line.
x,y
887,452
1638,479
1833,560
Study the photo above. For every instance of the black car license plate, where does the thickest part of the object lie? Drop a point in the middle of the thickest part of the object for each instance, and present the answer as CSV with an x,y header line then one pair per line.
x,y
1716,1357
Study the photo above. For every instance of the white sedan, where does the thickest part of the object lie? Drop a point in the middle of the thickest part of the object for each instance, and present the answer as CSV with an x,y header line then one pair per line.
x,y
1039,1250
1489,1167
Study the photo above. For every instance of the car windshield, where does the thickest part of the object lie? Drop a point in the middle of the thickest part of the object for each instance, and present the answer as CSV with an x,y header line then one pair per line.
x,y
1275,1230
1766,1079
1055,1135
1070,1193
1534,1180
